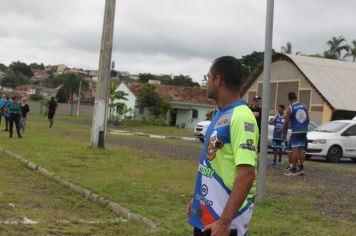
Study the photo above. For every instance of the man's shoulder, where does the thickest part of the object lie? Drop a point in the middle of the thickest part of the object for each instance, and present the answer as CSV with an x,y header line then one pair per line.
x,y
243,113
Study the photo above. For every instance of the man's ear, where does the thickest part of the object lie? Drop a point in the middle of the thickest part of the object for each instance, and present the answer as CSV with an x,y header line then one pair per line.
x,y
220,81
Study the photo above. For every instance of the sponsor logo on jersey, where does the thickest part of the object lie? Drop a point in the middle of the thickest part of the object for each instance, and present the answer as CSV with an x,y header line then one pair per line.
x,y
248,145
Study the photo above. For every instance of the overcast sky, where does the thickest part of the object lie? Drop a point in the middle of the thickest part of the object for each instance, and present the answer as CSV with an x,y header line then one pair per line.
x,y
165,36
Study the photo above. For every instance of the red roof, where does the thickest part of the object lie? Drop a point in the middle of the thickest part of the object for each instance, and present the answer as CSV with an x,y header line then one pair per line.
x,y
194,95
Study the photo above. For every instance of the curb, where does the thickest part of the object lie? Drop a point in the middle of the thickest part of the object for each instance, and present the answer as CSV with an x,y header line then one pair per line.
x,y
91,196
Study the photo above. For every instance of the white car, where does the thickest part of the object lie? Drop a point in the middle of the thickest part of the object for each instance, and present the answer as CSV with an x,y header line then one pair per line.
x,y
333,140
201,127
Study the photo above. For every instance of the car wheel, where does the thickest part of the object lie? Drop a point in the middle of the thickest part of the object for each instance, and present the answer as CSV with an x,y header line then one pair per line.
x,y
307,157
334,154
353,160
201,140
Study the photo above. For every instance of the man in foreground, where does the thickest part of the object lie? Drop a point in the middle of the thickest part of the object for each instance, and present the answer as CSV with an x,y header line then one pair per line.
x,y
224,193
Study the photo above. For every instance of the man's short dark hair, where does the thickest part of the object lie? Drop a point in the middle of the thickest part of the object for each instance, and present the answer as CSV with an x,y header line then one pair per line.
x,y
292,96
282,106
230,69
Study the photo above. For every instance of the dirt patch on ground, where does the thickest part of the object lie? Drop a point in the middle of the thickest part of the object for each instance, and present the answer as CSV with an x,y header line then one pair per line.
x,y
182,150
334,188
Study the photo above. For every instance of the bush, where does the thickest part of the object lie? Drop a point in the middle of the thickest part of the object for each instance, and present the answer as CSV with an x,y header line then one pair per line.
x,y
36,97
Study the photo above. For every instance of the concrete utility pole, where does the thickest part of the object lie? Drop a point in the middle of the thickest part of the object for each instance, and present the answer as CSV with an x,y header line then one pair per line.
x,y
100,105
262,167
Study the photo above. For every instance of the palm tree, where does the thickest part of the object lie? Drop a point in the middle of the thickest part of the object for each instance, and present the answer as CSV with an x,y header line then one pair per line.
x,y
115,95
70,84
287,49
352,51
336,46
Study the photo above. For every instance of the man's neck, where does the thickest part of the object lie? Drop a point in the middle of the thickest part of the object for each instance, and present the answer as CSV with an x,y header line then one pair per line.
x,y
228,99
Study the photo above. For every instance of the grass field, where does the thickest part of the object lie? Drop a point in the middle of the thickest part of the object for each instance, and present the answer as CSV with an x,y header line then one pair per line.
x,y
158,187
53,209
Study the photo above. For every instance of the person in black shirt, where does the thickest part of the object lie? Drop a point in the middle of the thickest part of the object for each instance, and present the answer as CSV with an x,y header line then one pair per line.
x,y
257,111
25,108
52,106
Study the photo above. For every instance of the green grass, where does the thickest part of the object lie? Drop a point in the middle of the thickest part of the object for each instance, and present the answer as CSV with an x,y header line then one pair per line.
x,y
159,188
56,209
291,210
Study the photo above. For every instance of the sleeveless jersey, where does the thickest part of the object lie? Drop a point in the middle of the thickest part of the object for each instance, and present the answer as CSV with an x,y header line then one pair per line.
x,y
299,118
278,125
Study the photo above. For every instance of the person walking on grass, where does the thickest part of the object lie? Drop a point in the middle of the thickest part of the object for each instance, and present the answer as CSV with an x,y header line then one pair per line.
x,y
298,117
14,115
278,141
225,188
52,106
25,109
2,103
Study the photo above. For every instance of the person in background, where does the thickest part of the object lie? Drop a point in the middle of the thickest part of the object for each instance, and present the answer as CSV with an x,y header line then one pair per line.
x,y
52,106
257,112
14,116
7,102
278,141
25,109
298,117
2,102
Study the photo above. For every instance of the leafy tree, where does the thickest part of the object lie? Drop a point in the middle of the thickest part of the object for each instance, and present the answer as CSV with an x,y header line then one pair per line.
x,y
250,62
13,80
145,77
184,80
336,47
70,84
287,49
62,96
154,102
20,68
35,66
3,67
352,51
115,95
113,73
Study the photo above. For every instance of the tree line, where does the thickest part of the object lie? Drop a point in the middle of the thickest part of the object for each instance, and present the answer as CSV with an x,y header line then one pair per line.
x,y
338,49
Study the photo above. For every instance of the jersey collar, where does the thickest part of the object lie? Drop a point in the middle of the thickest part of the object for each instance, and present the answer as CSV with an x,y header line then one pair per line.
x,y
234,104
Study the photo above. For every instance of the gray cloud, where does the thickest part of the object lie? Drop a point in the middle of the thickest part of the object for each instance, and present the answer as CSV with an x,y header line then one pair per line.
x,y
165,36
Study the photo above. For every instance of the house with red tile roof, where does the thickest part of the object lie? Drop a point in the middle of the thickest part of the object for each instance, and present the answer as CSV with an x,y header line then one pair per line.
x,y
188,104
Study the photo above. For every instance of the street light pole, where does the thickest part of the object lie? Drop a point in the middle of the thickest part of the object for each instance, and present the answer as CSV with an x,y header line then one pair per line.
x,y
262,167
99,116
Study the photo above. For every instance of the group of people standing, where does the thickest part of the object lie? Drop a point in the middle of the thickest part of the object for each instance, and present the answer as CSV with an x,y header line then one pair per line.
x,y
14,112
297,118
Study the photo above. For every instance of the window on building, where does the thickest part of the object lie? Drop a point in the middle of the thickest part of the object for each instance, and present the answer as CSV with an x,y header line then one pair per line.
x,y
304,97
195,114
283,89
317,108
